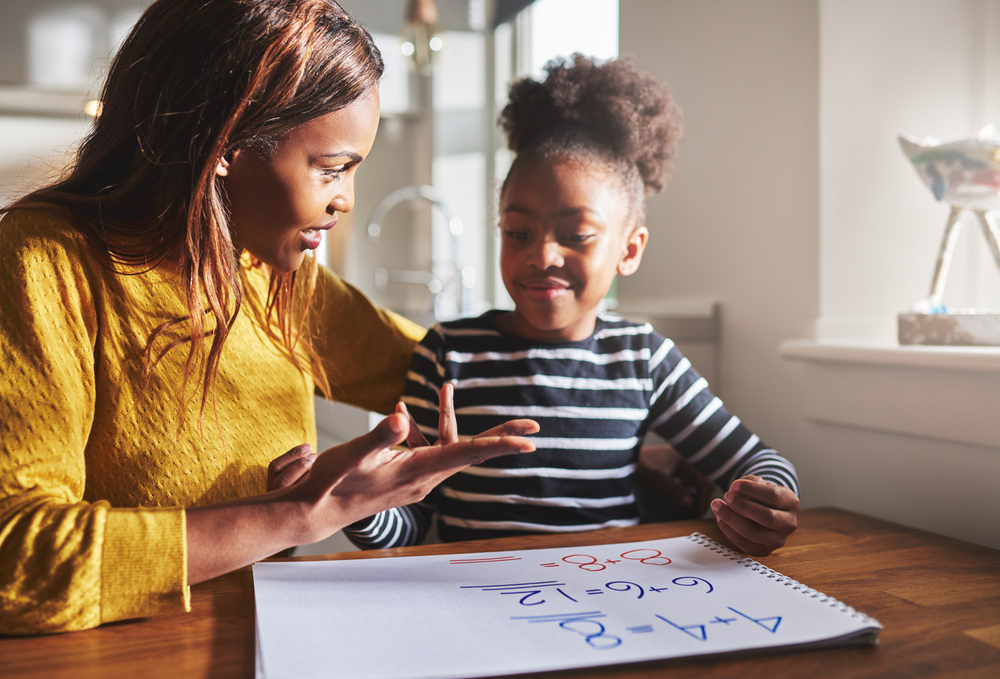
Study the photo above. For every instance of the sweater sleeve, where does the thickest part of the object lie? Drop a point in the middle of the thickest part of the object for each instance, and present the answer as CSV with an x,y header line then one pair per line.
x,y
696,423
365,349
65,564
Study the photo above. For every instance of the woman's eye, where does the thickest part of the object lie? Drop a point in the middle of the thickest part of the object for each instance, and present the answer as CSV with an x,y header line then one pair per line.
x,y
334,171
517,235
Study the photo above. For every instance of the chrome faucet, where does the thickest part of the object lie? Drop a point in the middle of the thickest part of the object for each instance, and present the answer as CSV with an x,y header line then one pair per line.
x,y
464,278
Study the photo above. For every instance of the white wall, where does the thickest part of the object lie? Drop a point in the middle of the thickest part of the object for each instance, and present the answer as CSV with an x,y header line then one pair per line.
x,y
794,207
739,221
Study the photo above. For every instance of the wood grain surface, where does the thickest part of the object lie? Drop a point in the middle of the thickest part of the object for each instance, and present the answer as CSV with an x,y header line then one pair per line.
x,y
938,599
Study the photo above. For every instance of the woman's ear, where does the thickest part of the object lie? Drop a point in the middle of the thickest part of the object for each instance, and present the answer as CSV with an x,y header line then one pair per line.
x,y
222,167
632,254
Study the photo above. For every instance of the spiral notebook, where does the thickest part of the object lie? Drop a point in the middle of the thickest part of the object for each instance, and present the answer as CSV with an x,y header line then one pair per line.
x,y
502,613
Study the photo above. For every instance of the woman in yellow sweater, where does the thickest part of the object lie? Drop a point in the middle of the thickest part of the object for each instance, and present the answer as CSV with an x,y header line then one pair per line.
x,y
162,330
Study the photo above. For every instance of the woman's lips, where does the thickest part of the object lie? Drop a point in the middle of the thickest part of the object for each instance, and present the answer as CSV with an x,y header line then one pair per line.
x,y
313,236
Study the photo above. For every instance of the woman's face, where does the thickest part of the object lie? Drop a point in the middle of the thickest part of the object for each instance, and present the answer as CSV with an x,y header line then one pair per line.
x,y
281,204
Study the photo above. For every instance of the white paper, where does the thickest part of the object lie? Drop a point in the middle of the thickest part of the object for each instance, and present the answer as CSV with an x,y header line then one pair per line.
x,y
495,613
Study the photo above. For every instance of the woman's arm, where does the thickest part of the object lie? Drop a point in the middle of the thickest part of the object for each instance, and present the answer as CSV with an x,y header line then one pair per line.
x,y
65,563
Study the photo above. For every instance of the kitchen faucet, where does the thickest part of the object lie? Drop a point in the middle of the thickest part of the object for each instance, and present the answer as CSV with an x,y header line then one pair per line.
x,y
464,278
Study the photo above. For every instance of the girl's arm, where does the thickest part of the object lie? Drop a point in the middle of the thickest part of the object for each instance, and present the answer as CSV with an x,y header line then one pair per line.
x,y
758,511
397,527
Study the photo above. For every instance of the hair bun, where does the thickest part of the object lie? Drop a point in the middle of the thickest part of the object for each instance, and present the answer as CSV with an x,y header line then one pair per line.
x,y
626,112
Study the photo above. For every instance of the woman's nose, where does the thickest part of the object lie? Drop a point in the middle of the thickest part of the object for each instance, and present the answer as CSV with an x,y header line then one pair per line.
x,y
343,199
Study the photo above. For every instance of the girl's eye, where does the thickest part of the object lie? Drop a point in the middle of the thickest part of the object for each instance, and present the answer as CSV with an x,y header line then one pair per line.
x,y
517,235
577,238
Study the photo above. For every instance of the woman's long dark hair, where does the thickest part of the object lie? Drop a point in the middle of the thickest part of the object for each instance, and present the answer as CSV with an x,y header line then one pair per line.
x,y
194,80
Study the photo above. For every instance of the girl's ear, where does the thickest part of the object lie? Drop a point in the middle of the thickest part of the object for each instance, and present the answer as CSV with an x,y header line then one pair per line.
x,y
632,254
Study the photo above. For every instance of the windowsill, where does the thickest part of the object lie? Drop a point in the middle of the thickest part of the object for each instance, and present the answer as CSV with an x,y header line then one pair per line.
x,y
886,353
939,393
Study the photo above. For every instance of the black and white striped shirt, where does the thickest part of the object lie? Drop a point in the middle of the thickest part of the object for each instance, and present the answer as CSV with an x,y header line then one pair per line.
x,y
595,400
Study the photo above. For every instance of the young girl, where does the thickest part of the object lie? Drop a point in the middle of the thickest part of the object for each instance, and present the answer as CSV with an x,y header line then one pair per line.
x,y
590,141
162,330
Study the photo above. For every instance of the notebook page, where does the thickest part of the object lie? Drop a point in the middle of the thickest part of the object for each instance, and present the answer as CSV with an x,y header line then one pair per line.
x,y
496,613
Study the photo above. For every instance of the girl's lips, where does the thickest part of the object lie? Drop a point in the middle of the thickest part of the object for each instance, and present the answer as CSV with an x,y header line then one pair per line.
x,y
546,289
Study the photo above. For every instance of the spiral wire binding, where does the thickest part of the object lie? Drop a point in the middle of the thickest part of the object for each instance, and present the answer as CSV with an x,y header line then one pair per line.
x,y
771,574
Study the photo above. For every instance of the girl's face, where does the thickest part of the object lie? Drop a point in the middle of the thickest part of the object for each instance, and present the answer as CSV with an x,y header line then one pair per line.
x,y
566,233
280,205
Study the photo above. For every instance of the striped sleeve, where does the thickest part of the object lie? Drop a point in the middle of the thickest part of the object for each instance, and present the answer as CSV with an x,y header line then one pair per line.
x,y
696,423
399,527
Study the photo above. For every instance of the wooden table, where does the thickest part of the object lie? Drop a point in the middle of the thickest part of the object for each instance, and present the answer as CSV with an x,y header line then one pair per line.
x,y
938,599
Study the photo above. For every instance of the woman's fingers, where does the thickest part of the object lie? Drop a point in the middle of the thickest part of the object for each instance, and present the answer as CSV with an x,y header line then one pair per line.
x,y
290,467
366,475
512,428
447,425
293,473
415,438
455,456
285,459
391,431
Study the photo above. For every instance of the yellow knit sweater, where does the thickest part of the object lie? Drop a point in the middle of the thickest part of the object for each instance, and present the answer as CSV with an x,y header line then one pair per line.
x,y
94,476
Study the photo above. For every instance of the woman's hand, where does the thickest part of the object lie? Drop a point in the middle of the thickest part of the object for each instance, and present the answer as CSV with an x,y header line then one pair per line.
x,y
344,484
374,472
757,515
665,469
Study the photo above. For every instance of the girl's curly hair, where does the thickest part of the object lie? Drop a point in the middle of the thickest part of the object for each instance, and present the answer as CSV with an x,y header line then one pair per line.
x,y
605,112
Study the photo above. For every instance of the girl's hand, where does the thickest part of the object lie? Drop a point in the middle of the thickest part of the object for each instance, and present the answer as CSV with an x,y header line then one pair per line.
x,y
757,515
290,468
663,468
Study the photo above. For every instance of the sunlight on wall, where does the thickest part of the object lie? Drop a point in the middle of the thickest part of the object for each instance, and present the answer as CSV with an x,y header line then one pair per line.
x,y
394,87
62,46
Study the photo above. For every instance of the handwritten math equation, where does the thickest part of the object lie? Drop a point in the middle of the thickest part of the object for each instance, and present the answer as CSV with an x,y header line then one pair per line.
x,y
595,627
